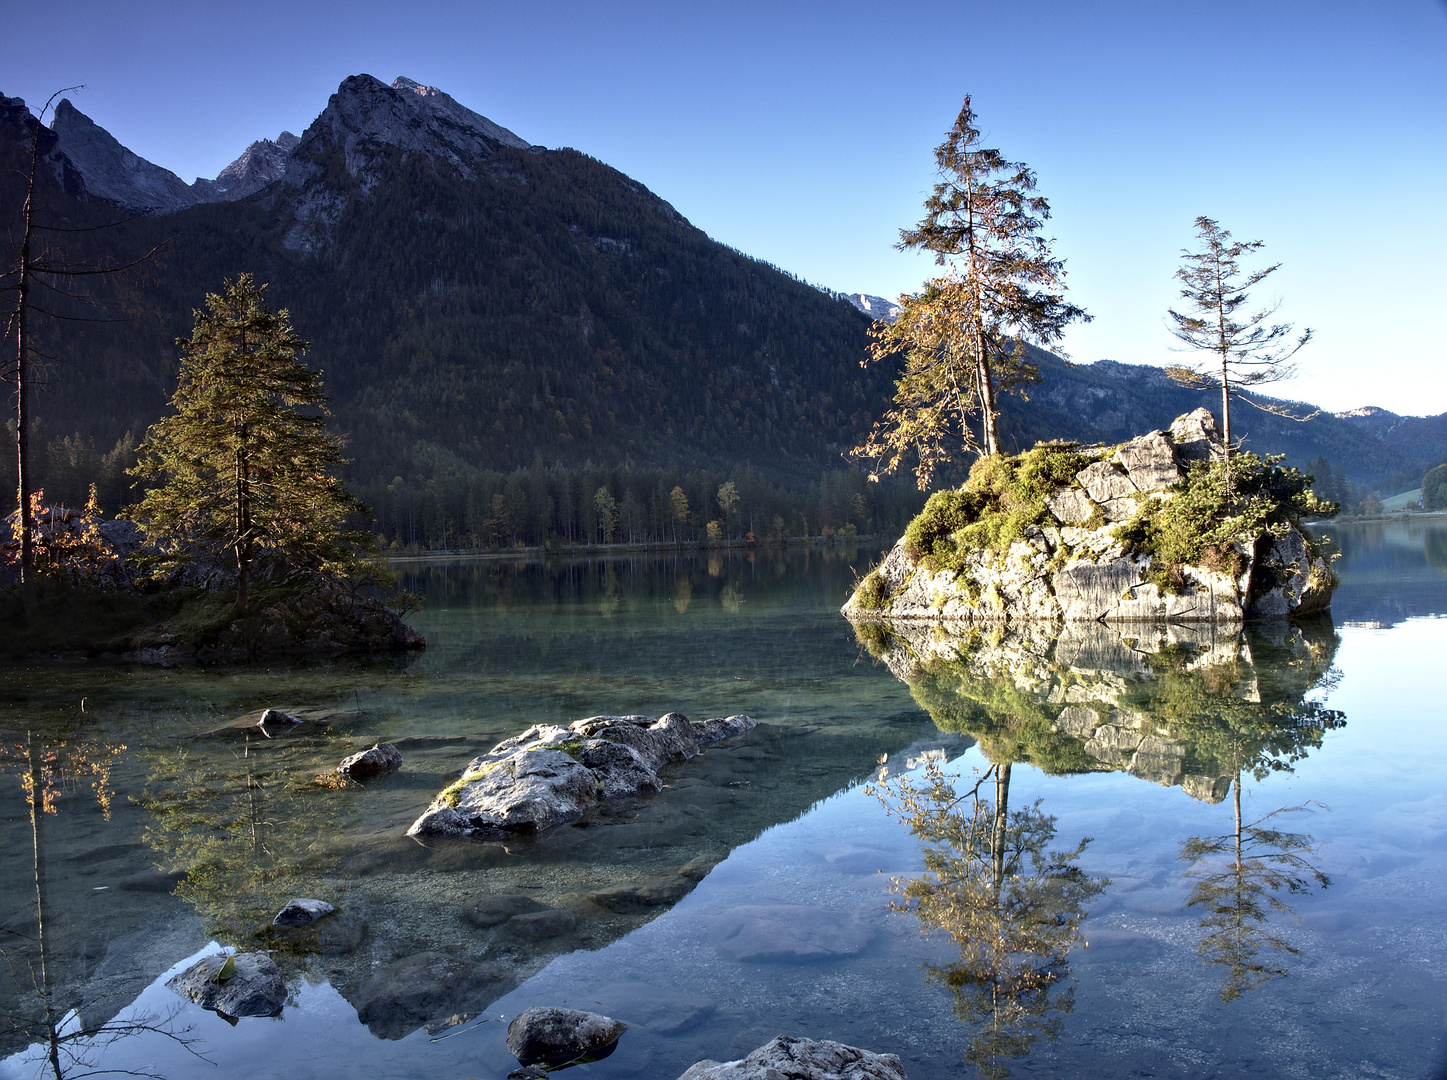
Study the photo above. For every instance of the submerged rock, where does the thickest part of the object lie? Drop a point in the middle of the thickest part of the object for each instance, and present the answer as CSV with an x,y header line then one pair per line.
x,y
551,775
428,987
624,898
253,987
1076,565
381,758
496,910
554,1036
788,1058
762,932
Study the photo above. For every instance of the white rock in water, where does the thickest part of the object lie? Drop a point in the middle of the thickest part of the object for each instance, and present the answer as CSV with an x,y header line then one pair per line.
x,y
301,911
802,1059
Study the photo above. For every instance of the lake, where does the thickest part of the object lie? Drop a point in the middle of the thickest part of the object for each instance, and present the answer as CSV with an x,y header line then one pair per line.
x,y
999,853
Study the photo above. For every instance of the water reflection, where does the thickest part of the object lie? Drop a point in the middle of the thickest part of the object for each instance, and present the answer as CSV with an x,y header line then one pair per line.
x,y
1194,707
1012,908
41,1007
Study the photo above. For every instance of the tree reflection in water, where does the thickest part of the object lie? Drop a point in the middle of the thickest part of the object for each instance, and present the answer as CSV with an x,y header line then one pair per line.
x,y
1238,879
1012,907
65,1046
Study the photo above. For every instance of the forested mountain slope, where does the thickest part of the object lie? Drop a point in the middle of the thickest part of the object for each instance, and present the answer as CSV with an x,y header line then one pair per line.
x,y
480,305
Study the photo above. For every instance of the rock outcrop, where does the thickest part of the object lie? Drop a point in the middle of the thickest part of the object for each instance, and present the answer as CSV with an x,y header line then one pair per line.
x,y
552,775
802,1059
1076,567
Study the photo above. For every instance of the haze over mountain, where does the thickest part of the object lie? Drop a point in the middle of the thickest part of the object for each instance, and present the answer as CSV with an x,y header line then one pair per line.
x,y
478,302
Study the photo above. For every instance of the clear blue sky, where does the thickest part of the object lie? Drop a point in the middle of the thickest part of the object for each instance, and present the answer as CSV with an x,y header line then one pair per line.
x,y
802,132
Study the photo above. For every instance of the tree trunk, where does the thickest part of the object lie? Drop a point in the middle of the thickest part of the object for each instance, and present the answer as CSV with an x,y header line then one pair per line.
x,y
37,839
22,389
1002,813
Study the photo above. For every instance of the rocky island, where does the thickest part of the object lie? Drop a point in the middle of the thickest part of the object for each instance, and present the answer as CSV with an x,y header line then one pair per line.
x,y
1149,530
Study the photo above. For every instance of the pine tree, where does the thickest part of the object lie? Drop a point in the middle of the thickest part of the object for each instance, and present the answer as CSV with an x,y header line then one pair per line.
x,y
964,334
244,464
1247,350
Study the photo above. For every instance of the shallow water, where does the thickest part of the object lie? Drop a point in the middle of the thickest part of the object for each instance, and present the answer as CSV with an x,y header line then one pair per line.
x,y
174,835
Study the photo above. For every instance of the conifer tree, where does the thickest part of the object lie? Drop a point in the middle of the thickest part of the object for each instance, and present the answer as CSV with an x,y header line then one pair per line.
x,y
964,335
244,465
1247,351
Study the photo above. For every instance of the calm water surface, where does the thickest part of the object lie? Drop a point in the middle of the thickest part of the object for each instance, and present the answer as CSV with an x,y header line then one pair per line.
x,y
1321,951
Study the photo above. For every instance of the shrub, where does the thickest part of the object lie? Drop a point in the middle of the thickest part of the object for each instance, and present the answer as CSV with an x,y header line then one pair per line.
x,y
872,593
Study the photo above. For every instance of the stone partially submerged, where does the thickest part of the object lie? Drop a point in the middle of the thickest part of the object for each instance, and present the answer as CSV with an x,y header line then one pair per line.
x,y
1084,543
552,775
786,1058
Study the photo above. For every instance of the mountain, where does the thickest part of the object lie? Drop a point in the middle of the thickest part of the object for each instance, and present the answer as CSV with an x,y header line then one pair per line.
x,y
480,304
876,307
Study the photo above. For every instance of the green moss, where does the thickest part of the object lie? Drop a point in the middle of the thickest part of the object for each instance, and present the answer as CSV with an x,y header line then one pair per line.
x,y
1003,497
1201,525
452,793
872,593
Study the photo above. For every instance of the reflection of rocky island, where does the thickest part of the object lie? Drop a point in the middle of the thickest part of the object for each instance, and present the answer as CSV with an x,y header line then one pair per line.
x,y
1152,529
1175,704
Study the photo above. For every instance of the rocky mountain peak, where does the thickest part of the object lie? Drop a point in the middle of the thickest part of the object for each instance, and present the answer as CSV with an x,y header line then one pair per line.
x,y
113,172
262,163
876,307
366,117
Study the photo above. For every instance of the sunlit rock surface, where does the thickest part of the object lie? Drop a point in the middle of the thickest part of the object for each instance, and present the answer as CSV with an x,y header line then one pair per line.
x,y
1077,570
552,775
802,1059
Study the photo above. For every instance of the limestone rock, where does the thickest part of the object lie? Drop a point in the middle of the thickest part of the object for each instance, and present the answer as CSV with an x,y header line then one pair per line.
x,y
549,775
302,911
524,792
1071,506
426,987
381,758
1075,573
555,1036
761,932
253,989
787,1058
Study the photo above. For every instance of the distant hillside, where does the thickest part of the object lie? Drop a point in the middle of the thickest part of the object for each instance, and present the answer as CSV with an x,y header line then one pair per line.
x,y
480,304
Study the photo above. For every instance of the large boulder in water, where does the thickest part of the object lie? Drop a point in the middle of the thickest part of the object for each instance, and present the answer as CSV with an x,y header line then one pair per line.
x,y
802,1059
551,775
1091,547
553,1036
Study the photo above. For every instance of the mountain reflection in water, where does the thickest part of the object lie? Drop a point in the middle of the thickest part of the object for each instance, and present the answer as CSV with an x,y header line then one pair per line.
x,y
1199,707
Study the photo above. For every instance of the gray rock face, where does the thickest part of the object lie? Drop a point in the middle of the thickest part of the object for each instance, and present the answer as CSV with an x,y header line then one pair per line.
x,y
551,775
1072,572
428,987
787,1058
556,1036
762,932
261,164
382,758
254,989
114,173
301,911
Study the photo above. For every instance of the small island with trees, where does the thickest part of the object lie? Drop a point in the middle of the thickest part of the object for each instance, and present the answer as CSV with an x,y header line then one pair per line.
x,y
1177,525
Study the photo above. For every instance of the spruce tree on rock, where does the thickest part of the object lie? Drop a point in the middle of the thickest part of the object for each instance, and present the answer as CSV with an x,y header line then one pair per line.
x,y
964,336
1246,350
244,465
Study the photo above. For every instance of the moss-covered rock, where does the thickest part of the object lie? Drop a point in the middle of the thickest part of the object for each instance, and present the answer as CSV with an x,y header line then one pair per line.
x,y
1144,531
